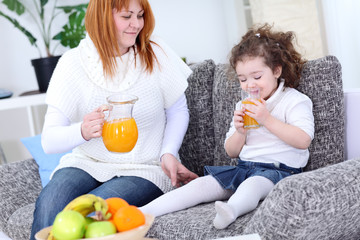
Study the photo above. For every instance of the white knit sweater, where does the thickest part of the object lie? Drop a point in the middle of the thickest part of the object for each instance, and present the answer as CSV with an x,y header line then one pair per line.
x,y
78,86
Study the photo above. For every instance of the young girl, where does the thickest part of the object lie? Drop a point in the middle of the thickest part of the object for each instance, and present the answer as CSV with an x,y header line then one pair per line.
x,y
265,59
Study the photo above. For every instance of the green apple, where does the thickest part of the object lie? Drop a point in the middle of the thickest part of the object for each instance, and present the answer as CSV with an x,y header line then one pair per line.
x,y
88,220
69,225
100,229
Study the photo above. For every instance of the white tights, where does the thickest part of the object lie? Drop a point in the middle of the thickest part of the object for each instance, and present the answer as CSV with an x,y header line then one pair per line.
x,y
207,189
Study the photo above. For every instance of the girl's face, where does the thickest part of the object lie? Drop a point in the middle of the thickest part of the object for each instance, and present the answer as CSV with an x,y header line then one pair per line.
x,y
253,72
129,23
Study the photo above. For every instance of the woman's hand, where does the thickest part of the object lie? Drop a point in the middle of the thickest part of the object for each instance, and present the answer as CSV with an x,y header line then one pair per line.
x,y
92,124
177,172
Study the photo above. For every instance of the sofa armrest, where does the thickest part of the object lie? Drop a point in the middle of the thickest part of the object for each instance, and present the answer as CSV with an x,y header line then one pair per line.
x,y
320,204
19,185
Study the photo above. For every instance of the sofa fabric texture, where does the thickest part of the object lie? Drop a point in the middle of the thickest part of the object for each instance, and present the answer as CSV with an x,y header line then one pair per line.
x,y
20,185
321,203
321,81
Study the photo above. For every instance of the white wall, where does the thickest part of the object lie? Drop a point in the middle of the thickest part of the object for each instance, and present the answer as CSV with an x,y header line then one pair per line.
x,y
197,29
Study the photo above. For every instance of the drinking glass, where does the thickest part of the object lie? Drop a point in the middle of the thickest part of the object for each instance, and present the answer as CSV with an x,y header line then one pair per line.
x,y
254,94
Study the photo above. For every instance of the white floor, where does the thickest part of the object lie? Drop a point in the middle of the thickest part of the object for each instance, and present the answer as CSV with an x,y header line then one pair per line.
x,y
242,237
3,236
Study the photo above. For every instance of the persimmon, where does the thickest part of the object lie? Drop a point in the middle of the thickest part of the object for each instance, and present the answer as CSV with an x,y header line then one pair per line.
x,y
114,204
127,218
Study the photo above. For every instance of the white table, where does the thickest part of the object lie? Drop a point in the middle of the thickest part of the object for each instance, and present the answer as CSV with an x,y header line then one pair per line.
x,y
28,102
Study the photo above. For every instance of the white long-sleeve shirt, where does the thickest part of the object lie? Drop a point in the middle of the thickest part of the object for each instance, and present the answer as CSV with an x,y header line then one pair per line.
x,y
78,86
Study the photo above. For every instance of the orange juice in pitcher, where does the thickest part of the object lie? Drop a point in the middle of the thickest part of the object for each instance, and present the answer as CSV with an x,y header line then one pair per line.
x,y
120,132
120,135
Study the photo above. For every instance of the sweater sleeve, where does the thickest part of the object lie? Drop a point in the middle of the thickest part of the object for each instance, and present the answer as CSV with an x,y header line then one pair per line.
x,y
65,91
58,134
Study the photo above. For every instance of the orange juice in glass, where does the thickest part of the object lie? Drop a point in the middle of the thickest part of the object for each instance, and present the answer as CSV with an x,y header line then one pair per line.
x,y
120,131
253,93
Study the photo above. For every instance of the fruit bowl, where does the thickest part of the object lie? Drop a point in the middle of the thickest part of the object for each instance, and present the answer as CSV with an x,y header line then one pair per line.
x,y
133,234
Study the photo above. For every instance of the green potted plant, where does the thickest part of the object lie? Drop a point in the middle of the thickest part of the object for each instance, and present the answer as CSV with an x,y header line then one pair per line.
x,y
44,13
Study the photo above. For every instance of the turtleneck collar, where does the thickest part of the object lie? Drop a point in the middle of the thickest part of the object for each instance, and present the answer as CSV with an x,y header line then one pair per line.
x,y
276,97
126,72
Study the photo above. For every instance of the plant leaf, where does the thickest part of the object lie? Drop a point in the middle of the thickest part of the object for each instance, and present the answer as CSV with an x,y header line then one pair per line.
x,y
15,6
42,5
69,9
16,24
73,31
43,2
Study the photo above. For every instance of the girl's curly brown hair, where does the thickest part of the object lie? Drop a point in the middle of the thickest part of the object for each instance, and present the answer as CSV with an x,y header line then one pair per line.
x,y
276,48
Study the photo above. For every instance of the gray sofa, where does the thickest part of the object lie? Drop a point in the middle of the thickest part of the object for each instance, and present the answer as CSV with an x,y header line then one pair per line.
x,y
321,203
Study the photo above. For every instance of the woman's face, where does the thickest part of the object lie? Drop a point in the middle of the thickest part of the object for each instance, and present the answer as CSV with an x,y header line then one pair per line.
x,y
253,72
129,23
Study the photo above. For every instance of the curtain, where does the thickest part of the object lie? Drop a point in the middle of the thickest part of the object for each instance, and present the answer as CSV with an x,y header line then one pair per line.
x,y
342,28
299,16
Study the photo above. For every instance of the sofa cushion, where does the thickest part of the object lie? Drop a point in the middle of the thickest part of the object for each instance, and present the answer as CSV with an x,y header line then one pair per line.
x,y
321,80
19,185
19,226
226,93
46,162
198,147
319,204
194,223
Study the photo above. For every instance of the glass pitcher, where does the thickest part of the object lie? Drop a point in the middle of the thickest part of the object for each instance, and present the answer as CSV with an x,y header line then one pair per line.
x,y
120,131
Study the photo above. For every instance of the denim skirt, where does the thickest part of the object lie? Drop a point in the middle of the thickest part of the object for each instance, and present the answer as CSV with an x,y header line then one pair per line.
x,y
230,177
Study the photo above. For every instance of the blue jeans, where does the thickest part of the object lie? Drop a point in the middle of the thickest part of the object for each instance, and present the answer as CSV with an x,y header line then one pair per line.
x,y
69,183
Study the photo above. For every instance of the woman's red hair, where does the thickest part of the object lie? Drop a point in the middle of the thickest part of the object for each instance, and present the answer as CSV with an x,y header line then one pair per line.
x,y
101,28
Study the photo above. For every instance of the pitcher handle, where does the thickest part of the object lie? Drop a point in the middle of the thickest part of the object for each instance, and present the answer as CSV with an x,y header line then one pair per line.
x,y
104,107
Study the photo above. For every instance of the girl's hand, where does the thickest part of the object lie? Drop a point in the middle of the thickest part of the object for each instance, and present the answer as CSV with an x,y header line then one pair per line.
x,y
92,124
258,111
239,121
235,143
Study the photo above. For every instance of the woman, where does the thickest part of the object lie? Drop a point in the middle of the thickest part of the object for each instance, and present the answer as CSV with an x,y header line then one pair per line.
x,y
117,55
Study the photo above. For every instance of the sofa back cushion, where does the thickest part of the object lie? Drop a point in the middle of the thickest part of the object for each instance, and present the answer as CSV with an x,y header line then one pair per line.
x,y
226,93
197,149
214,90
321,80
